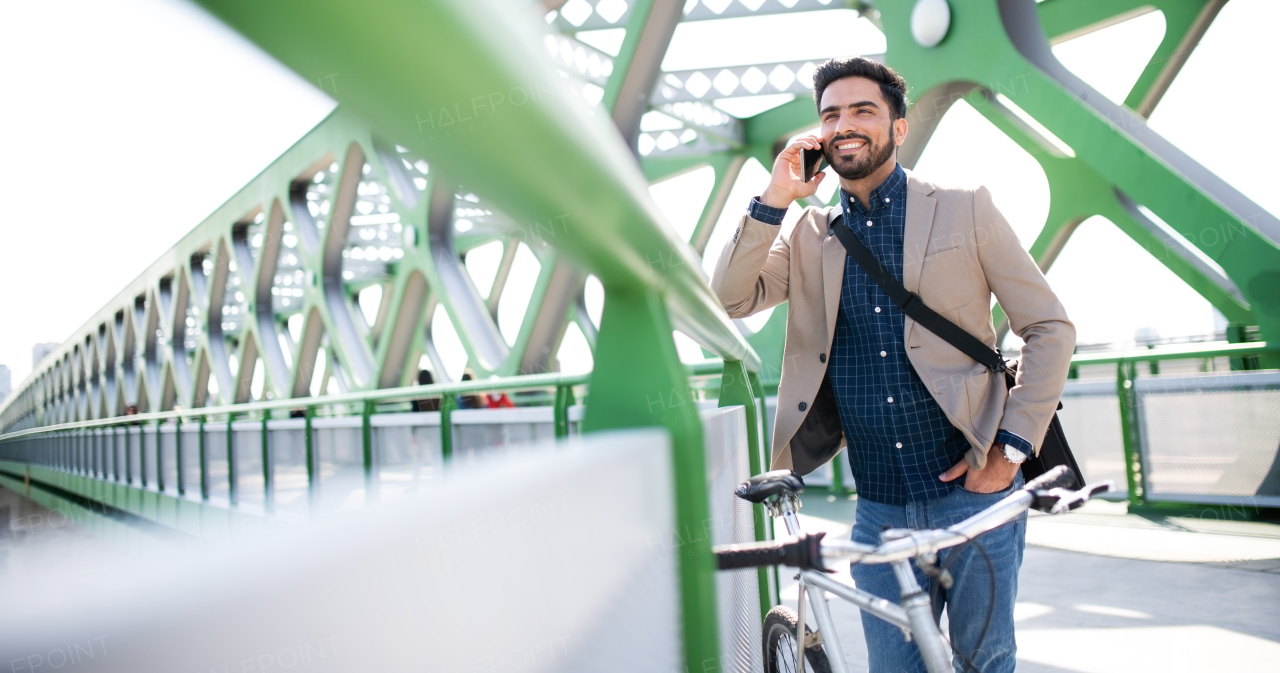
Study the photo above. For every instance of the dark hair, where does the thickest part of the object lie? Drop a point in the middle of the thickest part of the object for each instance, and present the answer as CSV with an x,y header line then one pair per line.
x,y
892,86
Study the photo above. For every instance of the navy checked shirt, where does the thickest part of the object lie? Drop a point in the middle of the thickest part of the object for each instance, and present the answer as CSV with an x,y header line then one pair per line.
x,y
899,438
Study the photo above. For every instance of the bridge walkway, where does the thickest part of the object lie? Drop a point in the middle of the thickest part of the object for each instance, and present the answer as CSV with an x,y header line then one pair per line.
x,y
1103,590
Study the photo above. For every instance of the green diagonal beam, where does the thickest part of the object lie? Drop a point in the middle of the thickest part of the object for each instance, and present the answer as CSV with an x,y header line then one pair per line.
x,y
377,51
1185,23
1113,143
531,148
1078,193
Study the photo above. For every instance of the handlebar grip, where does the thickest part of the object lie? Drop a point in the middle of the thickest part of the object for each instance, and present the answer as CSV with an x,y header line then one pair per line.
x,y
1059,477
804,552
734,557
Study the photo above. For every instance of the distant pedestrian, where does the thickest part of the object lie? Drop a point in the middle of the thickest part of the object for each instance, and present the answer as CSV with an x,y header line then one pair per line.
x,y
500,401
430,403
474,400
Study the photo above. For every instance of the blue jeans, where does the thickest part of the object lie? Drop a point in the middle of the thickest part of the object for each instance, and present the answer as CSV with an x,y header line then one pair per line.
x,y
967,602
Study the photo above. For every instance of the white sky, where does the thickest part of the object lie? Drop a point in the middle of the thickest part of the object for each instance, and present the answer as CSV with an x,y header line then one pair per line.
x,y
124,124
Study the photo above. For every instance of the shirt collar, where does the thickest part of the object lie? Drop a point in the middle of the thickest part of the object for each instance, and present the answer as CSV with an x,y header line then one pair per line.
x,y
892,188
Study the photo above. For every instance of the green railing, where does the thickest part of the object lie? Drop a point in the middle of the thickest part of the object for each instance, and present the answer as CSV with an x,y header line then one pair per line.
x,y
363,404
561,386
1243,356
730,382
1126,363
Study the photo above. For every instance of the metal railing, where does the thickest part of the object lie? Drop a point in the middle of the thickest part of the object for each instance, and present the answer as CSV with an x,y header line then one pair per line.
x,y
1133,422
173,467
1116,433
76,448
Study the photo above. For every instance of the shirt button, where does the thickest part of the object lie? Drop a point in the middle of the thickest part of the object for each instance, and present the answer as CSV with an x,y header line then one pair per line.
x,y
890,400
883,354
877,309
822,357
870,223
886,201
803,406
899,444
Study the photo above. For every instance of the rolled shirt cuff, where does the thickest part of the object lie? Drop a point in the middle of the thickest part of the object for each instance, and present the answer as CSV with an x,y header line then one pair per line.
x,y
1010,439
763,213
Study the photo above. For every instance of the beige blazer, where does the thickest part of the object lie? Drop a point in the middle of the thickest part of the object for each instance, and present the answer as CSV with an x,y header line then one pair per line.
x,y
958,250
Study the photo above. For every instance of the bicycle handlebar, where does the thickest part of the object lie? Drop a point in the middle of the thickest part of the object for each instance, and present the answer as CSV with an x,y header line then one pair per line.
x,y
808,552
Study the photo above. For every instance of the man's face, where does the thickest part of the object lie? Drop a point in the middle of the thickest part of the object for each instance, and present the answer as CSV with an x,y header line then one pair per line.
x,y
857,127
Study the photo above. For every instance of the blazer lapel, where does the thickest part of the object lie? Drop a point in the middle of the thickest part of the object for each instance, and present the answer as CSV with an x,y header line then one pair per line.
x,y
833,261
915,237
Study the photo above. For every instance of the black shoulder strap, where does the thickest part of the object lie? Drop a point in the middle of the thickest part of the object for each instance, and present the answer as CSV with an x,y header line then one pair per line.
x,y
911,304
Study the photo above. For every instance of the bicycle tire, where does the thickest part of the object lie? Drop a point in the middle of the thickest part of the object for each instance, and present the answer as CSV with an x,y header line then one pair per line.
x,y
779,644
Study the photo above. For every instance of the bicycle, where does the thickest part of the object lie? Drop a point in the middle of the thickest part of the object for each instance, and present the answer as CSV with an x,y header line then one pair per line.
x,y
784,629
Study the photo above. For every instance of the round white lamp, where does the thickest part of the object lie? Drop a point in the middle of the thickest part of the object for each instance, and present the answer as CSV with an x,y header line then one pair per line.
x,y
929,21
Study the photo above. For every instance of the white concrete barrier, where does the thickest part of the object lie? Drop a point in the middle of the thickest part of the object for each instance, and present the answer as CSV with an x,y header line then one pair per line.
x,y
546,558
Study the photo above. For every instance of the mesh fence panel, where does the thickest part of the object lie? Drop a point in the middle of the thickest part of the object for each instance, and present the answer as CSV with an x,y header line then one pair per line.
x,y
1212,437
250,481
190,460
150,455
287,443
477,431
737,591
1090,417
339,448
407,452
218,473
168,471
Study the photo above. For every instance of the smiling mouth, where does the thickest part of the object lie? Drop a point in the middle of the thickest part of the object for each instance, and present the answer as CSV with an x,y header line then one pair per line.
x,y
850,146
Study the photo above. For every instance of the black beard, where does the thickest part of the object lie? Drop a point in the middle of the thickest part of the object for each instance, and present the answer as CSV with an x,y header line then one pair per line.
x,y
859,168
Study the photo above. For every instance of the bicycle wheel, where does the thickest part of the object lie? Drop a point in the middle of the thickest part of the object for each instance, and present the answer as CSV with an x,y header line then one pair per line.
x,y
780,644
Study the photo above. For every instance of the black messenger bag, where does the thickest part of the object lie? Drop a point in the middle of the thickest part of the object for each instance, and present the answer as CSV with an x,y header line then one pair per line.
x,y
1053,450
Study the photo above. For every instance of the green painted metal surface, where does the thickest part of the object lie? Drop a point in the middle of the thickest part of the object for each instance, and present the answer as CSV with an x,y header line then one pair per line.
x,y
979,49
563,400
448,404
1130,428
1081,186
977,60
309,439
638,382
366,444
736,388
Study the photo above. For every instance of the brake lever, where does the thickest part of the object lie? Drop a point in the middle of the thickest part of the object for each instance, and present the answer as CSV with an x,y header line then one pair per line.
x,y
1061,500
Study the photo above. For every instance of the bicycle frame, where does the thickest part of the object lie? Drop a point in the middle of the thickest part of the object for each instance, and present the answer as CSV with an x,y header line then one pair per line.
x,y
914,616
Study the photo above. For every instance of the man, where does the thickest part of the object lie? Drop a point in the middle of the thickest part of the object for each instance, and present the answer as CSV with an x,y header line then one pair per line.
x,y
933,436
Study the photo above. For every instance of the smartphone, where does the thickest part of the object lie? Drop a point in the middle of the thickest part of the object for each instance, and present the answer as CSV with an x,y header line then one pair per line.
x,y
813,161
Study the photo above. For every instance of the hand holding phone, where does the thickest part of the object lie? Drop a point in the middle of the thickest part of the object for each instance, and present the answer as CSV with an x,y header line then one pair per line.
x,y
813,162
796,173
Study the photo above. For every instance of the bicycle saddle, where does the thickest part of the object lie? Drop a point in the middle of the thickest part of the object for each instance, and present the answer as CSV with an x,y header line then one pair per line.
x,y
763,486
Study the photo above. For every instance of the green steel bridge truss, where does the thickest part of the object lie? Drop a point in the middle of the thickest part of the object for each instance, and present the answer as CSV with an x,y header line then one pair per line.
x,y
264,299
341,266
